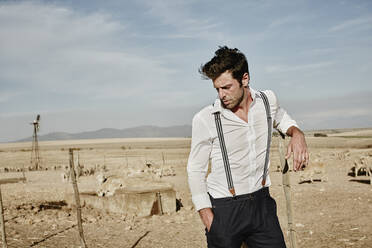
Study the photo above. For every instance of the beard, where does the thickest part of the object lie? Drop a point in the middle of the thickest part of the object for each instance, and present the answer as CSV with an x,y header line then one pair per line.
x,y
235,102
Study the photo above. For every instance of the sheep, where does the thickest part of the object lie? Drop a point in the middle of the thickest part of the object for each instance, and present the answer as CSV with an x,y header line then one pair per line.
x,y
361,166
108,185
313,168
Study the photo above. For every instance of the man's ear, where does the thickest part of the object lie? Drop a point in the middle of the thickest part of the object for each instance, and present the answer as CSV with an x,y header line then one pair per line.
x,y
245,79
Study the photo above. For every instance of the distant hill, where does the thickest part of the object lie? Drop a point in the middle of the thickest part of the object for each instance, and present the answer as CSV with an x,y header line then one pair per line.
x,y
106,133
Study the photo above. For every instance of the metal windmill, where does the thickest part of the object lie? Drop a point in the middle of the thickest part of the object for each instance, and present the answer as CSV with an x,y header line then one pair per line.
x,y
35,156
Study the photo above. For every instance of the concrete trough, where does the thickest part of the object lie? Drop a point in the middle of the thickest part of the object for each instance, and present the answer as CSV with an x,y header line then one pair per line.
x,y
145,200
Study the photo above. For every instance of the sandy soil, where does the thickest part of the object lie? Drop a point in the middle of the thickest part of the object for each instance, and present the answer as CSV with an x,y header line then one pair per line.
x,y
335,213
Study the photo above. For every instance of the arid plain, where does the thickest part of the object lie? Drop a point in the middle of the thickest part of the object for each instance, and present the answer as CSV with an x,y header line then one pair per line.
x,y
336,212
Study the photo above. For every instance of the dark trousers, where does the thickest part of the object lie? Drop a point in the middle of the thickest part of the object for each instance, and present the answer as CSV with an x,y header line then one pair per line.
x,y
249,218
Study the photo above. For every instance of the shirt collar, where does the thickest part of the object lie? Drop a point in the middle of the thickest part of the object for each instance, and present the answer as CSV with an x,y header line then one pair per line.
x,y
217,107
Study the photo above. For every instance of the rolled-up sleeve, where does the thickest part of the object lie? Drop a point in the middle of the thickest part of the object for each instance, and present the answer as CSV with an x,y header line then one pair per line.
x,y
197,165
282,120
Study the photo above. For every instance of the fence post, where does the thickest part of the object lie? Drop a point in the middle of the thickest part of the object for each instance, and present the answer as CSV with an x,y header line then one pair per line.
x,y
163,165
160,205
77,198
3,234
287,191
126,158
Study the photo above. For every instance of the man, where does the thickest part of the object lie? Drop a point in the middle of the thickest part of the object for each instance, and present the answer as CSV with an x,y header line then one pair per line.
x,y
244,212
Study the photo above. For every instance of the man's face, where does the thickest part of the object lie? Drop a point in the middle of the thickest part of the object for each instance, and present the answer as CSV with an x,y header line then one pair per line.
x,y
230,91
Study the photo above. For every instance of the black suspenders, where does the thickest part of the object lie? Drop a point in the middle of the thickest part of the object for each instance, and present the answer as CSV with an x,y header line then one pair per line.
x,y
269,128
225,158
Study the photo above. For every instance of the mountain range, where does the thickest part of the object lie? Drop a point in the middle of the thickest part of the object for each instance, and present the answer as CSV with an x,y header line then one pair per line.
x,y
106,133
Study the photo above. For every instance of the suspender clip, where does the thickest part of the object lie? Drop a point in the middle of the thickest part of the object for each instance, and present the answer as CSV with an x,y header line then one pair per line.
x,y
232,191
263,182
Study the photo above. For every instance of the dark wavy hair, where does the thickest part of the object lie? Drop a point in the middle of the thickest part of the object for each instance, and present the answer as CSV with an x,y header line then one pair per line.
x,y
225,59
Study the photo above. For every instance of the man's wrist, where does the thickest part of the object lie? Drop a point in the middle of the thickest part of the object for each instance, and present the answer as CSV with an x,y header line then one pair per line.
x,y
293,130
204,210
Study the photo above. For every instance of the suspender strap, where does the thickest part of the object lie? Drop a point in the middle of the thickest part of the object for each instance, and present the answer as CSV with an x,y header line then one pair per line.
x,y
269,127
225,158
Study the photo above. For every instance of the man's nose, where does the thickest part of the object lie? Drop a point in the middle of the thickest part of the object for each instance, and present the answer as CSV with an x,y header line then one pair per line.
x,y
221,93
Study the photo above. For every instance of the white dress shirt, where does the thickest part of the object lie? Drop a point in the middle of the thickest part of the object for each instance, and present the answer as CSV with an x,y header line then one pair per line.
x,y
245,144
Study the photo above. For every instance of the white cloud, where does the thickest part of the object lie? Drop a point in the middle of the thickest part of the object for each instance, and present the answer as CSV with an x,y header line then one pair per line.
x,y
360,22
7,95
179,15
47,48
282,21
319,51
290,68
352,112
343,111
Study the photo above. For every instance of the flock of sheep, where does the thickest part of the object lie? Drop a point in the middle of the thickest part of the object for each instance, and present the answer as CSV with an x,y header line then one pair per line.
x,y
108,183
316,169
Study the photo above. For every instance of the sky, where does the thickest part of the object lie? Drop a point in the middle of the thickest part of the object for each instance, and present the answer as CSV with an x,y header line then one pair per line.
x,y
86,65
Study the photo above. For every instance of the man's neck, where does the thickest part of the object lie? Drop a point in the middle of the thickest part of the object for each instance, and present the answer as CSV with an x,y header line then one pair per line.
x,y
242,109
245,103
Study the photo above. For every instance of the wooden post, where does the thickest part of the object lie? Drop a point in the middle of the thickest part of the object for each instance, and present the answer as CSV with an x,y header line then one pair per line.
x,y
77,198
287,191
126,158
23,172
3,234
163,165
163,157
160,205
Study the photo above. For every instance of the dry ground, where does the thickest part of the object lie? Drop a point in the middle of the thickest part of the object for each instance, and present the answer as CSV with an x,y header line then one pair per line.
x,y
335,213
